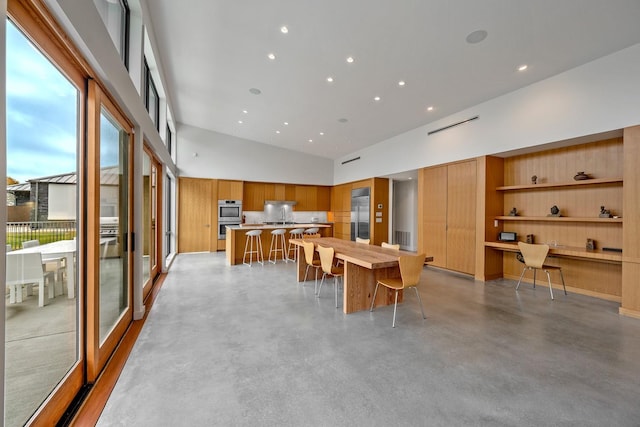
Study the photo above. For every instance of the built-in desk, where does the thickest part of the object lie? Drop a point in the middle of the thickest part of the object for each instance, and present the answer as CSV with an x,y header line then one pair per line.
x,y
597,255
363,265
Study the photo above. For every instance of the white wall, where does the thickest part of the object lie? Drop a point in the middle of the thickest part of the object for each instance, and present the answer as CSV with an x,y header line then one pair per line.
x,y
227,157
600,96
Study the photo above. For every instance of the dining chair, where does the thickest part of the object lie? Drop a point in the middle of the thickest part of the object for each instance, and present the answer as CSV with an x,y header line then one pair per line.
x,y
363,241
309,250
25,269
328,269
534,256
390,246
410,269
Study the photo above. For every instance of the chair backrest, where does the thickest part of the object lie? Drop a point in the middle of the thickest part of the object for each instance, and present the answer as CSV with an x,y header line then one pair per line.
x,y
24,268
326,258
364,241
311,236
533,254
390,246
308,252
410,268
30,243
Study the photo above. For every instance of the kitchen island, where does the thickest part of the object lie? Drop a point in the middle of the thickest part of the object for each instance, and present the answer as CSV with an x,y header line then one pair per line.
x,y
236,237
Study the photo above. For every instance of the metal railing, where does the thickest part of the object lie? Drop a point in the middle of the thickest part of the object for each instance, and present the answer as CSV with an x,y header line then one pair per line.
x,y
43,231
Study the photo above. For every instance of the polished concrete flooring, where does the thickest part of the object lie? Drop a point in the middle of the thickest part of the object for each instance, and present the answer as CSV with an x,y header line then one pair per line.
x,y
235,346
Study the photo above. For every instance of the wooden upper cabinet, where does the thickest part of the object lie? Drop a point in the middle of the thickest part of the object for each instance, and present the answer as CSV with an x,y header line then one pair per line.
x,y
323,198
230,190
255,193
306,196
341,198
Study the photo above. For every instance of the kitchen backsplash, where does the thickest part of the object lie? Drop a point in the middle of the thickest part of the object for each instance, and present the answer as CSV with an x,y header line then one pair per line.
x,y
271,215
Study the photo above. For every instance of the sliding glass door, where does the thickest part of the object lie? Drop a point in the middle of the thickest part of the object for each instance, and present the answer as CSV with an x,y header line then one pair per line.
x,y
151,208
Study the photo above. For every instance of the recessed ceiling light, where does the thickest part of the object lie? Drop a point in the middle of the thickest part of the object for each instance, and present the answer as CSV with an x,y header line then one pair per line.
x,y
255,91
330,79
271,56
476,36
430,109
240,121
350,59
523,67
284,29
286,123
277,131
245,111
311,140
321,133
377,98
401,83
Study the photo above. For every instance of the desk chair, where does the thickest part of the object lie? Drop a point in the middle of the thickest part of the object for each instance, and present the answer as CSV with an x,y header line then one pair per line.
x,y
328,269
390,246
309,249
534,256
410,269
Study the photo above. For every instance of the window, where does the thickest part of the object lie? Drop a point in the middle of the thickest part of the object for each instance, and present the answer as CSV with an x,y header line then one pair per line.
x,y
169,136
115,14
151,98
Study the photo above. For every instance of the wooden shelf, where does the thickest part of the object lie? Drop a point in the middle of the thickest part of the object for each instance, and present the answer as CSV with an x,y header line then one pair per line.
x,y
558,219
565,251
594,181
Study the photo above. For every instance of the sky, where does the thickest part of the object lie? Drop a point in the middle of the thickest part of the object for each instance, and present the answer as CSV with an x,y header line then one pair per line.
x,y
42,115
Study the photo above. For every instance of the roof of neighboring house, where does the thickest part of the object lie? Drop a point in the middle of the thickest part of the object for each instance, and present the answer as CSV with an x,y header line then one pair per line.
x,y
108,176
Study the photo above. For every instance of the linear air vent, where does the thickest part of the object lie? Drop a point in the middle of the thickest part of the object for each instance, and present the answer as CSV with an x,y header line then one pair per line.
x,y
351,160
452,125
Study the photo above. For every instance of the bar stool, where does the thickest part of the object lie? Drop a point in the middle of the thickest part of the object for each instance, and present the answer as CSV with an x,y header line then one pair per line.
x,y
312,230
296,233
253,236
277,245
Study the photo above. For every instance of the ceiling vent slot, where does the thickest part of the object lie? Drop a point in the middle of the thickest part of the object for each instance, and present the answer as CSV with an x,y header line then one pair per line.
x,y
453,125
351,160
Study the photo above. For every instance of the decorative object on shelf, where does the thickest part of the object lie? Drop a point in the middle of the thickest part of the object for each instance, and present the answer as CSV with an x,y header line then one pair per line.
x,y
534,179
530,239
555,211
513,212
591,244
604,213
581,176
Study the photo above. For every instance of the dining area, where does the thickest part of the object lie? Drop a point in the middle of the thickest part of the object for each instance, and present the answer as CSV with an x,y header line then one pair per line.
x,y
371,276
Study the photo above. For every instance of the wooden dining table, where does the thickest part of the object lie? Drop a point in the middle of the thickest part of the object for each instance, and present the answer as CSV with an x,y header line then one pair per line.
x,y
363,266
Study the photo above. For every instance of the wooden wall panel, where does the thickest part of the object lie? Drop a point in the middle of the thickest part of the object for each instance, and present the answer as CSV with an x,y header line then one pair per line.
x,y
489,204
380,196
461,216
631,226
196,210
432,196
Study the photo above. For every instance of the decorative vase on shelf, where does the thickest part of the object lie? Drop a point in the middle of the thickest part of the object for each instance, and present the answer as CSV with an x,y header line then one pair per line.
x,y
580,176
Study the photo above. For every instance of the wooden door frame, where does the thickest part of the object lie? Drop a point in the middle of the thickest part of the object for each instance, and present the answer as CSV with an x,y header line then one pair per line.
x,y
154,270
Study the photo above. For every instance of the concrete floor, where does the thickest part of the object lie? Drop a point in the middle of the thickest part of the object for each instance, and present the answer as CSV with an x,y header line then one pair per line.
x,y
237,345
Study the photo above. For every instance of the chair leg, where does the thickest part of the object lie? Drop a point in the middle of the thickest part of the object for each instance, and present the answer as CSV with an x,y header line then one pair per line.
x,y
563,286
335,289
420,301
521,276
534,277
549,280
321,282
395,307
373,300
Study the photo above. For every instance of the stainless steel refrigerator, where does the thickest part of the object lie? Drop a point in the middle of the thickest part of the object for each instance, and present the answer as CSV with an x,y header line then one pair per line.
x,y
360,213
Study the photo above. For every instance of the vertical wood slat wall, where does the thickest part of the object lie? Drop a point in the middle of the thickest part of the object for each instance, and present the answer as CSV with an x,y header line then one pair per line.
x,y
631,239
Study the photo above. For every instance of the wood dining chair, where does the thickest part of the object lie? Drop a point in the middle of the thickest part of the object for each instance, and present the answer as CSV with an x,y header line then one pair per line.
x,y
363,241
534,256
410,269
329,270
309,249
390,246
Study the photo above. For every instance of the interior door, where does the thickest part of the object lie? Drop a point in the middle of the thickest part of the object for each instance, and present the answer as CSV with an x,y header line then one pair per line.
x,y
197,205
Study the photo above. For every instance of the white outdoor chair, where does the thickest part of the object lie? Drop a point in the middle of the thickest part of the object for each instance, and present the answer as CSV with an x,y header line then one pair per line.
x,y
27,270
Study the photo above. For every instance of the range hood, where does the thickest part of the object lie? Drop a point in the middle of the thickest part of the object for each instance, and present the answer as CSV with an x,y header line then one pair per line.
x,y
280,202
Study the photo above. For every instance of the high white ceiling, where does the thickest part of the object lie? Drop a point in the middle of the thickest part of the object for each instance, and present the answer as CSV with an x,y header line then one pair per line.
x,y
214,51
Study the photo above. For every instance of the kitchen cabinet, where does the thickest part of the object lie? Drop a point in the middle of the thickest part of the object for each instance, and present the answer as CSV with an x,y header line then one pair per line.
x,y
323,198
230,190
254,195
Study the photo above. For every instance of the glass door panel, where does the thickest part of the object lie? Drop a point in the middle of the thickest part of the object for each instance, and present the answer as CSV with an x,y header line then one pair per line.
x,y
42,306
113,231
151,236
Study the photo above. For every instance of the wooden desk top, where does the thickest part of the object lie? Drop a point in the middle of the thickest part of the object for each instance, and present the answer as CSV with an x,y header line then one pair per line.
x,y
367,256
567,251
